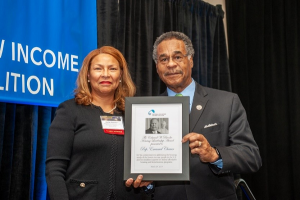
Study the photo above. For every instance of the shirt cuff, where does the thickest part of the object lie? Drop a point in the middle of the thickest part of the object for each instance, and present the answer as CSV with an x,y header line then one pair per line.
x,y
218,163
149,188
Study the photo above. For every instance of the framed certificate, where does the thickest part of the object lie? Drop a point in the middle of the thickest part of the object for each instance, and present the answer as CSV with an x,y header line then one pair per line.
x,y
154,127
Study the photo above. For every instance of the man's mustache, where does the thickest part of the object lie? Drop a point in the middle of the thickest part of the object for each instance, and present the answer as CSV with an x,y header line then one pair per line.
x,y
178,71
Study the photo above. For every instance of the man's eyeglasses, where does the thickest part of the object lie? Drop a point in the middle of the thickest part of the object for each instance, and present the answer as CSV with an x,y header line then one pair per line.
x,y
178,57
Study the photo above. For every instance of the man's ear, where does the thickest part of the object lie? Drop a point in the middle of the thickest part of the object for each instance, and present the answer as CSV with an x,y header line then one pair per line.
x,y
191,61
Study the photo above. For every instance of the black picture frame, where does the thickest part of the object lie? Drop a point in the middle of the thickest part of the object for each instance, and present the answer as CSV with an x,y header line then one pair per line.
x,y
183,102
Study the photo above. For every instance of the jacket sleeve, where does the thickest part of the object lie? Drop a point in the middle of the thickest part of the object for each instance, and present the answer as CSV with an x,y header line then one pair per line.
x,y
59,149
242,155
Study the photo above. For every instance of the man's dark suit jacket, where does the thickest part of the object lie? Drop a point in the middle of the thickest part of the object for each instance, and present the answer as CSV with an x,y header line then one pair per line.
x,y
150,131
222,120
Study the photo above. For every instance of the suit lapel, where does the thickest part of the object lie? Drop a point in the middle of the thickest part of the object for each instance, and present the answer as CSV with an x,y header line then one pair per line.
x,y
164,94
198,106
199,101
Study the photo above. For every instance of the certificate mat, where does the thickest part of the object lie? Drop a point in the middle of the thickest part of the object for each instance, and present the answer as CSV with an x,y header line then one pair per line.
x,y
154,127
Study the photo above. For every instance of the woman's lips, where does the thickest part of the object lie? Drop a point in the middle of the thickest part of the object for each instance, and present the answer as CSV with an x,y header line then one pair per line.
x,y
105,82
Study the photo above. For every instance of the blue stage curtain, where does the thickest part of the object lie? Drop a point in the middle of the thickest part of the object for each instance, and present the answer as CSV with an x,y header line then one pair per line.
x,y
23,136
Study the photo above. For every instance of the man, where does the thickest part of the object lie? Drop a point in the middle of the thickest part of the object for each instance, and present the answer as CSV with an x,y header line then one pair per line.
x,y
220,138
153,127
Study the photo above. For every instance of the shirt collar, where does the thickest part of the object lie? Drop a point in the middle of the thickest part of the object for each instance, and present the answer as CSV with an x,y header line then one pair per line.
x,y
188,91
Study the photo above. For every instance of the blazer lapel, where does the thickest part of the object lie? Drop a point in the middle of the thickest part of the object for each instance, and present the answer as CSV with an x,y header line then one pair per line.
x,y
164,94
199,103
198,106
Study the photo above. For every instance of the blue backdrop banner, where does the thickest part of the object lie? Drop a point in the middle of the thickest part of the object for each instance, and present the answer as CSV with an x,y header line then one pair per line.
x,y
42,46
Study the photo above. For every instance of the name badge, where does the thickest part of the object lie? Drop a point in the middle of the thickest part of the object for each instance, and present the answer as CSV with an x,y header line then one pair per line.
x,y
112,125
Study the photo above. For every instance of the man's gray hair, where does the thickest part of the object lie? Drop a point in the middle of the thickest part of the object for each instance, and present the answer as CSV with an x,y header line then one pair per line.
x,y
171,35
153,119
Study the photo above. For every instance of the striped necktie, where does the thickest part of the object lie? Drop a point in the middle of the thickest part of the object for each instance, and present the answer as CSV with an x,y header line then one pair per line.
x,y
178,95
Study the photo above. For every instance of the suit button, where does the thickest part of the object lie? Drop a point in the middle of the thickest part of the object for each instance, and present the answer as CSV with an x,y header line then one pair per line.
x,y
82,185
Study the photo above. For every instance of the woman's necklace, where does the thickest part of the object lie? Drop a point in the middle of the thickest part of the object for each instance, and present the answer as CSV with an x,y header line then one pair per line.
x,y
111,109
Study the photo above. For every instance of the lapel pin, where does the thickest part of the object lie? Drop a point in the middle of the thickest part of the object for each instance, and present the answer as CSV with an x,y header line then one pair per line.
x,y
199,107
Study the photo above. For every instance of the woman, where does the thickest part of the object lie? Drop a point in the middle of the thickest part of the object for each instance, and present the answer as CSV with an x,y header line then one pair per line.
x,y
84,162
163,129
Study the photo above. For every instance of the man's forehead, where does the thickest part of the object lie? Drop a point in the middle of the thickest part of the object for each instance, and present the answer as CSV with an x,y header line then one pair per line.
x,y
172,53
170,47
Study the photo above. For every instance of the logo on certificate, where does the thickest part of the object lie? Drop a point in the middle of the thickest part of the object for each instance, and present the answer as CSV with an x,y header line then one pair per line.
x,y
151,111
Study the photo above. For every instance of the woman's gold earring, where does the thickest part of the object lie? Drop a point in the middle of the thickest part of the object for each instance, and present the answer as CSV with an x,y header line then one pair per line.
x,y
120,81
89,81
